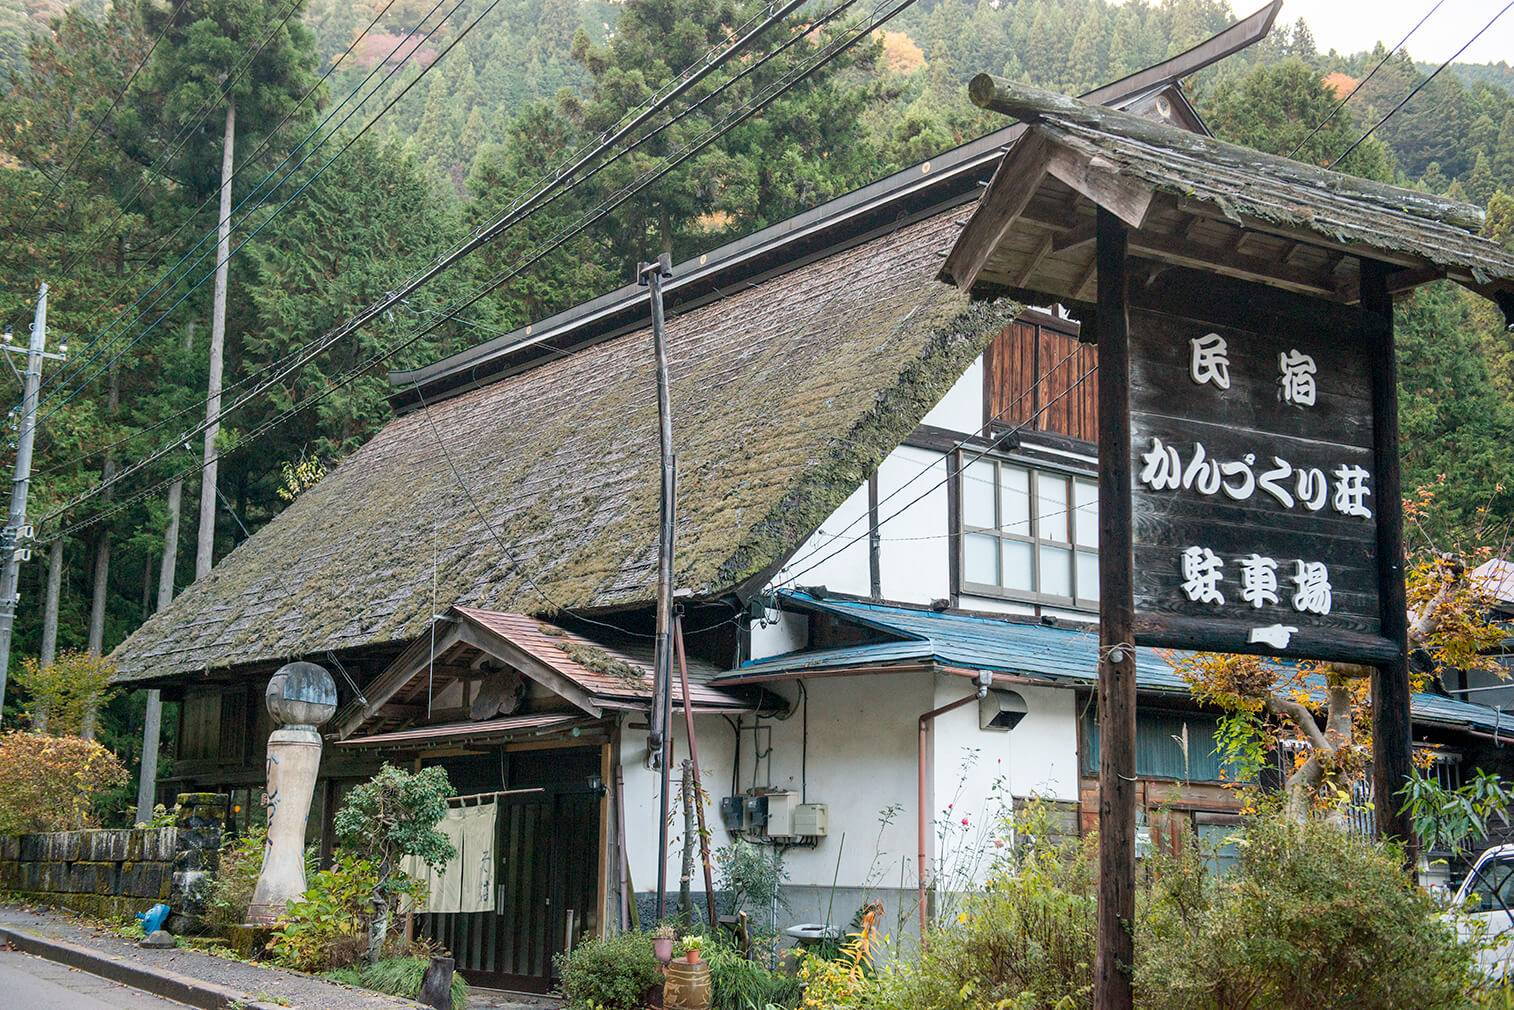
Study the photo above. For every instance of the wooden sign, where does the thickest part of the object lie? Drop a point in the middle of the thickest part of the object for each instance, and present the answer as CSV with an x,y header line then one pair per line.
x,y
1253,489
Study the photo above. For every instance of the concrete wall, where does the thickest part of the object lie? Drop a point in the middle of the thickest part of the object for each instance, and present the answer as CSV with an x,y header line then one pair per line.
x,y
115,872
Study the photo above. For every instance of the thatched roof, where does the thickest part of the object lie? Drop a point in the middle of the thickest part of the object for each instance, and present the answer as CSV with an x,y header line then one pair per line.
x,y
785,396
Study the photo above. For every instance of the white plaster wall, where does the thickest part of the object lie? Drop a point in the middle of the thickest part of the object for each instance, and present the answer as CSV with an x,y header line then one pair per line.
x,y
977,772
914,553
784,631
994,605
835,555
961,409
861,760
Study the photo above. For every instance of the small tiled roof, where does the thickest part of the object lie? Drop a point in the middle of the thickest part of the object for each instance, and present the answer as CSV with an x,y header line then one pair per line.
x,y
574,657
785,396
1056,655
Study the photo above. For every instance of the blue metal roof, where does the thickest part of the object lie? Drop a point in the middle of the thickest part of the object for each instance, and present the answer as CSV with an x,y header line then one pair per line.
x,y
1054,654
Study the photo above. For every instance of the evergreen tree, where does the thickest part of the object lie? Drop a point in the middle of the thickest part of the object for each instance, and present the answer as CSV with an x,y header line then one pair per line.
x,y
232,56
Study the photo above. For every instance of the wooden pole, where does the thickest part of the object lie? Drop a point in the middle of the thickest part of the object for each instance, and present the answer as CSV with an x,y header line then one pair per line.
x,y
1115,952
1392,740
688,720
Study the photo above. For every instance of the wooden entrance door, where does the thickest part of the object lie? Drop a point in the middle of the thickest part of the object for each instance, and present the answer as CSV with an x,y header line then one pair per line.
x,y
547,865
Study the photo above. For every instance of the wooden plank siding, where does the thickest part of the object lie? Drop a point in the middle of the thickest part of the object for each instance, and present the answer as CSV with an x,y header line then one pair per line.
x,y
1030,378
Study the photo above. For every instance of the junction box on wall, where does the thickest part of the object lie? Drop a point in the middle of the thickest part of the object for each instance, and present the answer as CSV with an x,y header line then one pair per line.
x,y
774,814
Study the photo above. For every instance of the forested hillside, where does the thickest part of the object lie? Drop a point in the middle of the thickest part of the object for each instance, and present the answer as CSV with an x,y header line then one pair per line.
x,y
338,197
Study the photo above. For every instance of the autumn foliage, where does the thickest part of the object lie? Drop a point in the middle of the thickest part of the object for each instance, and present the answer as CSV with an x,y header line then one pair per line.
x,y
50,782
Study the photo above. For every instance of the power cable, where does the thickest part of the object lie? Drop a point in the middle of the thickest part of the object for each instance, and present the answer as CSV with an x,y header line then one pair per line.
x,y
777,90
314,348
73,163
1363,82
543,197
101,344
992,445
1420,86
182,138
262,146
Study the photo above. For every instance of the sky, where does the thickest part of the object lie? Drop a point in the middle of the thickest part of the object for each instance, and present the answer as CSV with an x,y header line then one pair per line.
x,y
1353,25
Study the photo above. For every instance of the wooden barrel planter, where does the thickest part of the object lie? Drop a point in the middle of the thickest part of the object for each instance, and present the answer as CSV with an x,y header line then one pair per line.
x,y
687,986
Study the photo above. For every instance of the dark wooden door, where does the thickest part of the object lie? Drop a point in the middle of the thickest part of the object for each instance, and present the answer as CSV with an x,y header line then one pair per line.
x,y
547,861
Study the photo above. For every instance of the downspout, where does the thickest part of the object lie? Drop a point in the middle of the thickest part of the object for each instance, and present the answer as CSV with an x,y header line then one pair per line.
x,y
922,768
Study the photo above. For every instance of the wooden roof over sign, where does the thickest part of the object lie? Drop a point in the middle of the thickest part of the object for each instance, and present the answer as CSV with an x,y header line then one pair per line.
x,y
1195,201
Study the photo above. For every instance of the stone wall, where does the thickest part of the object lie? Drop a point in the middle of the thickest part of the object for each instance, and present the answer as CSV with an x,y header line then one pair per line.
x,y
117,872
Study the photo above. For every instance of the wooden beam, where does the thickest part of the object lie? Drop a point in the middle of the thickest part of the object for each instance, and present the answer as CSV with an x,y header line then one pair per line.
x,y
417,656
1127,198
1048,243
552,679
1083,234
1392,741
1018,177
1263,269
1303,235
1115,950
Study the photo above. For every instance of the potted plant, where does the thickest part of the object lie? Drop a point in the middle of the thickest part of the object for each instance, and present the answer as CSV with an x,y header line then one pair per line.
x,y
691,945
662,943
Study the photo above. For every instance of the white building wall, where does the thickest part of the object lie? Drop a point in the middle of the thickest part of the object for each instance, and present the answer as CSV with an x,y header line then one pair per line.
x,y
976,774
835,555
961,409
861,762
914,552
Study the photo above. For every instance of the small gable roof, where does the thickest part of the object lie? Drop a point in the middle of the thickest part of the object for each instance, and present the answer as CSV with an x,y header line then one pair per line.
x,y
1193,200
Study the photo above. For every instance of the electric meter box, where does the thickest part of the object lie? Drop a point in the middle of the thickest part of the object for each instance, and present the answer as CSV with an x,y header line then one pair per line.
x,y
788,818
811,820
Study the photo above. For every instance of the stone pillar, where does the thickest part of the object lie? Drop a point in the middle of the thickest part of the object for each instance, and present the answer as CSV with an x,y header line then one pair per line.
x,y
301,697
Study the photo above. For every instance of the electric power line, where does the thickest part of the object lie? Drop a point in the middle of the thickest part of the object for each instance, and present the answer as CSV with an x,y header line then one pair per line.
x,y
182,138
1363,82
263,145
101,344
1418,87
74,161
527,205
306,354
777,90
993,444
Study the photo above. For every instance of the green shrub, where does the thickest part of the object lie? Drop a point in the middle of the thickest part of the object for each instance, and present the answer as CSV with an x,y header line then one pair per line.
x,y
328,927
237,869
1311,917
398,976
1025,942
616,973
737,983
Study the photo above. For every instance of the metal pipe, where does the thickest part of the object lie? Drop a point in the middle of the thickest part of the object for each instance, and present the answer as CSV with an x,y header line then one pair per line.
x,y
922,798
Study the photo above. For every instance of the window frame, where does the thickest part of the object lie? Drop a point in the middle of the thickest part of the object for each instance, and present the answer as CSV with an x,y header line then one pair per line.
x,y
1036,472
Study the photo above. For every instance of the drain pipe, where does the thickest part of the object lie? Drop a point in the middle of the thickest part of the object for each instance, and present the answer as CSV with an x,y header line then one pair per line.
x,y
922,768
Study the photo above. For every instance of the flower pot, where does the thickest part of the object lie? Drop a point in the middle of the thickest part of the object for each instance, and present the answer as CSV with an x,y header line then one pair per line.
x,y
687,986
692,956
662,946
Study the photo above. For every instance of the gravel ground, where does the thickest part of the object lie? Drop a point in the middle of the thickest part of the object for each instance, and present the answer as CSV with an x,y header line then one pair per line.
x,y
301,991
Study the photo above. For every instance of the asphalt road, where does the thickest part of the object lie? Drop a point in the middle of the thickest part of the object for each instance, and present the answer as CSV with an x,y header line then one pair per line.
x,y
34,983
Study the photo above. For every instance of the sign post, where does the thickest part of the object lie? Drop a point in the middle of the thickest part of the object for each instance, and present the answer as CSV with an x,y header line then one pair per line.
x,y
1117,680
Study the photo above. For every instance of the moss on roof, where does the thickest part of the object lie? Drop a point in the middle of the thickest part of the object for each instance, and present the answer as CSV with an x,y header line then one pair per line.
x,y
785,396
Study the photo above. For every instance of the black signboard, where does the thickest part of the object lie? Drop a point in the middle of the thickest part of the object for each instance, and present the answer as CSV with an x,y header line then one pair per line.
x,y
1253,493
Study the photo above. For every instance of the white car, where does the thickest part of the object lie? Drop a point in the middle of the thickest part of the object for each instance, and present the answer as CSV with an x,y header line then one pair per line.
x,y
1484,907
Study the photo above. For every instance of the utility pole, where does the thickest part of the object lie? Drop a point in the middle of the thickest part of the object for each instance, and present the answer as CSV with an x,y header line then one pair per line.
x,y
16,528
660,737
